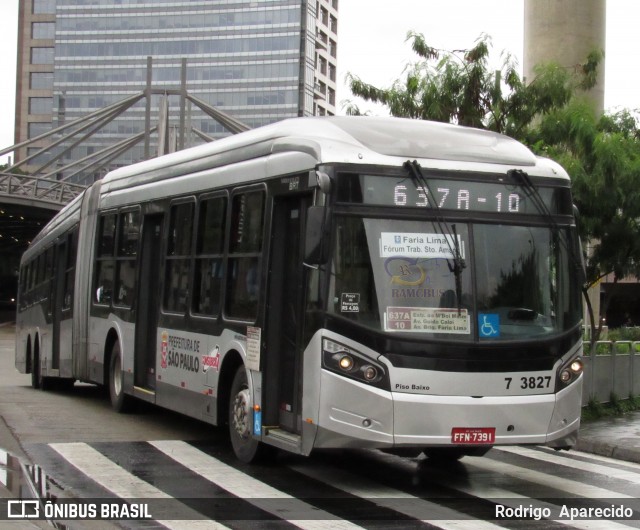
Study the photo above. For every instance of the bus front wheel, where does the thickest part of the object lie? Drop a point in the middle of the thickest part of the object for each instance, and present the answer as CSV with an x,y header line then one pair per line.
x,y
245,446
120,402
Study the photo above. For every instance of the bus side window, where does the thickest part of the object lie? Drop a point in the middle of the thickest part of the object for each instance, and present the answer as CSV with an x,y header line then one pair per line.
x,y
105,266
128,235
70,271
209,252
178,259
245,247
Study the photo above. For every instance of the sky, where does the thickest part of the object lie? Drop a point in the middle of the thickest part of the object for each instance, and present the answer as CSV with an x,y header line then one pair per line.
x,y
372,43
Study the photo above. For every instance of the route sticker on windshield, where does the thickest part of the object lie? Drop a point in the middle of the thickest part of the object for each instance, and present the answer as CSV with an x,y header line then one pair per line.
x,y
427,320
418,245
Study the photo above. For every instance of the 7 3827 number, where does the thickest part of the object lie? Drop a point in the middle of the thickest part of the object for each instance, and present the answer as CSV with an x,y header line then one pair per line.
x,y
531,382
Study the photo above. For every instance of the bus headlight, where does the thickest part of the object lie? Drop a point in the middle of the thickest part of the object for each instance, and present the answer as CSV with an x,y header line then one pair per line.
x,y
569,372
369,372
345,361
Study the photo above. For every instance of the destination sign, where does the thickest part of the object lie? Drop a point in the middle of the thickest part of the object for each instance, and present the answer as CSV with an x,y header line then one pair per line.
x,y
445,194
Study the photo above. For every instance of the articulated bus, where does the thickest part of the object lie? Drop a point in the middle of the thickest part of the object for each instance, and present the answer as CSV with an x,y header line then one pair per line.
x,y
343,282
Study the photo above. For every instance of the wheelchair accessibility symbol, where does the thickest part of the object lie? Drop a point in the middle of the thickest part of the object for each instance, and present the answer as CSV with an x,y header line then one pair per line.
x,y
488,325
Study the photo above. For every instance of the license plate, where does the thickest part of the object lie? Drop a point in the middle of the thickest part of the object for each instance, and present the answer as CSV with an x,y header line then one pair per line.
x,y
473,435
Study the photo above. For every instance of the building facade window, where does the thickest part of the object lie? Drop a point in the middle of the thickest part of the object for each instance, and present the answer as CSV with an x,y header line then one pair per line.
x,y
37,128
42,55
43,30
44,7
40,105
41,80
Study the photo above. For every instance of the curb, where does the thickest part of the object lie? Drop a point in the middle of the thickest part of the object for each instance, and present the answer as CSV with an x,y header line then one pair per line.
x,y
601,448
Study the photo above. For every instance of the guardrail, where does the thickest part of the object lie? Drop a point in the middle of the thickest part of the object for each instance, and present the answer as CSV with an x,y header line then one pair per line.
x,y
614,368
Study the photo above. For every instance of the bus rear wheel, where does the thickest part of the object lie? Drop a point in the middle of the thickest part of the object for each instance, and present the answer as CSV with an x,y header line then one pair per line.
x,y
35,371
120,402
37,379
246,448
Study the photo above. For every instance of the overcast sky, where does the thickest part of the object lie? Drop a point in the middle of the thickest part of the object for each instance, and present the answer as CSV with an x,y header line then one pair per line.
x,y
372,45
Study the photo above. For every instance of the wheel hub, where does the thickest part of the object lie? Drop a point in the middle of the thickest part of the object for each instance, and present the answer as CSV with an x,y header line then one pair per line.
x,y
241,416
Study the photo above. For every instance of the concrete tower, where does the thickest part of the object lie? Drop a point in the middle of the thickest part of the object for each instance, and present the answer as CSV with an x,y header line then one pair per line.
x,y
564,31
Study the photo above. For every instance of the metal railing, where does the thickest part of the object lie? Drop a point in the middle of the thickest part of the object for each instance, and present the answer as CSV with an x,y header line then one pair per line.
x,y
37,189
614,368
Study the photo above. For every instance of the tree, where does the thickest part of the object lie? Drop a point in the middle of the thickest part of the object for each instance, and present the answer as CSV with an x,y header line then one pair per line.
x,y
602,155
458,87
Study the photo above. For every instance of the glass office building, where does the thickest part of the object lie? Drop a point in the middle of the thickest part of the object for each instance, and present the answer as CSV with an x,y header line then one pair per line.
x,y
259,61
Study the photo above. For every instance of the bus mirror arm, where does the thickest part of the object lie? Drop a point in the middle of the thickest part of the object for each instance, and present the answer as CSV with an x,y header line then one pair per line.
x,y
317,237
323,182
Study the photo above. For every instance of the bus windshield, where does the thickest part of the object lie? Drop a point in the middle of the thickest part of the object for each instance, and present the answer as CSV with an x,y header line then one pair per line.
x,y
398,276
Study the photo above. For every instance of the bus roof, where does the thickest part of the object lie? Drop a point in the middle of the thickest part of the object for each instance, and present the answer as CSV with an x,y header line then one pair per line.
x,y
346,139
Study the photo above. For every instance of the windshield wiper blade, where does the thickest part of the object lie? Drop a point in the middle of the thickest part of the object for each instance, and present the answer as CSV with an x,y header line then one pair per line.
x,y
457,263
522,179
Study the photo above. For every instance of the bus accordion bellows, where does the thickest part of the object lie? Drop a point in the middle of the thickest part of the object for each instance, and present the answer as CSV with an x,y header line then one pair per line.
x,y
343,282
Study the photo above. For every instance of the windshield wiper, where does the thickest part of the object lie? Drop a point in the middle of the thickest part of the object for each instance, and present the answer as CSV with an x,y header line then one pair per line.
x,y
524,181
457,263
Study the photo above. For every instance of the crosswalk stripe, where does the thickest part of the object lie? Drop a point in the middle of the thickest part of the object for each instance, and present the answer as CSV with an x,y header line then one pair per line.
x,y
252,490
560,483
296,512
396,500
123,484
477,488
629,476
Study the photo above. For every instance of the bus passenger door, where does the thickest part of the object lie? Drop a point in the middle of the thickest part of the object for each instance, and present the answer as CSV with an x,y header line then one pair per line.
x,y
148,302
285,310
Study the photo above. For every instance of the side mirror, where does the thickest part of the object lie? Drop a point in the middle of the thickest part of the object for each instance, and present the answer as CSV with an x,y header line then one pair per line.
x,y
318,233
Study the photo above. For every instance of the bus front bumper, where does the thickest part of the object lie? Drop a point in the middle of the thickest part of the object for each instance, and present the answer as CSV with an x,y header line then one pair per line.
x,y
352,414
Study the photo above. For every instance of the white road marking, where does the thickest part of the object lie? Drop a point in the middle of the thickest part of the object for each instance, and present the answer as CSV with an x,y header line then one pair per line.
x,y
120,482
607,471
252,490
399,501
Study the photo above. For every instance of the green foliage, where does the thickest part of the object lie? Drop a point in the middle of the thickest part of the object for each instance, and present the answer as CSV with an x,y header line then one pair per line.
x,y
593,410
5,167
458,87
614,403
616,407
625,334
603,157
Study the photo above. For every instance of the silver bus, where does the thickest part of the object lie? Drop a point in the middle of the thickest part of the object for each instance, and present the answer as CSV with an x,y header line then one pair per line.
x,y
322,283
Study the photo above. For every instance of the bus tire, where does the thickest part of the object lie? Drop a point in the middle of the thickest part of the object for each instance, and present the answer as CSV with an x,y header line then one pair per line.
x,y
246,448
38,381
35,370
120,402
